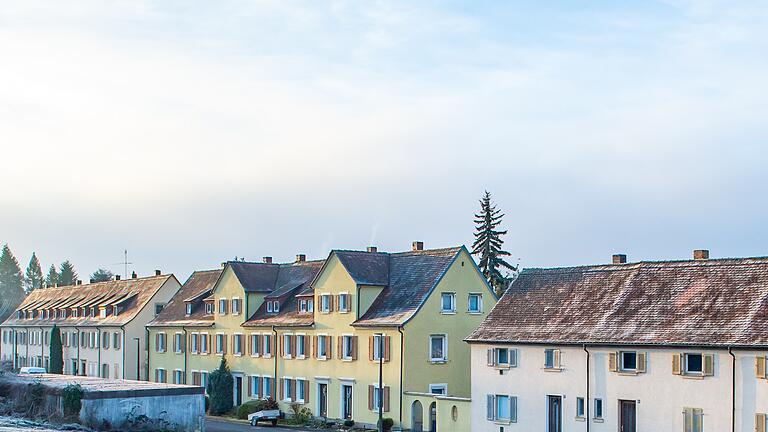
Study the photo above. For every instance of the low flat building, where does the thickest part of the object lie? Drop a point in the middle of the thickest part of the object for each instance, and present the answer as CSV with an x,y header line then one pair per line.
x,y
645,346
102,326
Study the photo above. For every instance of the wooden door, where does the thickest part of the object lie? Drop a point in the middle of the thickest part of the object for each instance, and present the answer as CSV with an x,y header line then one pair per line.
x,y
323,400
628,413
554,414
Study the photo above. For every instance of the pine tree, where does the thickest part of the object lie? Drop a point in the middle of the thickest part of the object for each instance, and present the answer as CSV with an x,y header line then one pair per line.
x,y
34,275
220,388
11,283
56,354
67,274
488,245
52,279
102,275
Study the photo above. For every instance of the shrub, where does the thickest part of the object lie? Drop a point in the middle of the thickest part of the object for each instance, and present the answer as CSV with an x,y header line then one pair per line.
x,y
388,423
207,403
220,388
72,396
56,354
271,404
249,407
301,414
349,423
34,399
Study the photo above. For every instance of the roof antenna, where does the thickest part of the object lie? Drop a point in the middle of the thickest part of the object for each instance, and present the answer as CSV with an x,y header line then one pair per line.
x,y
125,263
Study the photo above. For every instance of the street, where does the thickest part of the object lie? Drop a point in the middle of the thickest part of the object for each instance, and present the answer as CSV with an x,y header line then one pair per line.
x,y
216,425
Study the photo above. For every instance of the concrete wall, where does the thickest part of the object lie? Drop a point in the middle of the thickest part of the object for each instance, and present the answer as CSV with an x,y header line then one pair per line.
x,y
660,396
452,414
181,412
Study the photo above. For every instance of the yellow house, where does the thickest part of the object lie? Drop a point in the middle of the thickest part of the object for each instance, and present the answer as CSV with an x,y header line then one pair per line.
x,y
313,333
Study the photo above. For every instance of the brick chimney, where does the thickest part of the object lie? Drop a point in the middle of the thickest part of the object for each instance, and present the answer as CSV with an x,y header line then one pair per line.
x,y
372,249
79,282
90,281
158,272
301,258
267,260
701,254
417,246
619,259
134,275
117,277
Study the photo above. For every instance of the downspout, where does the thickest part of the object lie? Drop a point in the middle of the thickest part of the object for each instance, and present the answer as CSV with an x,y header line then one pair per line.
x,y
586,402
402,336
79,339
15,350
26,336
733,389
123,347
99,342
146,345
184,330
274,354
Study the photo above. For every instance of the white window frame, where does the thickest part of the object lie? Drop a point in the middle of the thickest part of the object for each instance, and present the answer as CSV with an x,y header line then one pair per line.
x,y
204,343
204,380
598,402
266,340
686,370
377,344
209,308
255,385
102,312
346,345
310,304
452,310
287,353
161,339
554,365
621,361
219,347
188,309
237,344
177,376
494,409
287,383
300,396
322,346
194,346
377,394
346,297
325,303
445,348
267,386
479,303
178,341
303,353
236,301
276,306
302,305
223,310
581,407
254,338
441,386
269,307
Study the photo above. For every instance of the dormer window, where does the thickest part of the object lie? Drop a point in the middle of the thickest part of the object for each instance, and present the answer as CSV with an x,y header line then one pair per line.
x,y
310,305
303,306
209,308
18,314
103,312
269,307
117,310
74,313
188,310
276,306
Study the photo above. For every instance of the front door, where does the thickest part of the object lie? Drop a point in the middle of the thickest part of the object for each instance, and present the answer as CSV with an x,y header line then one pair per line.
x,y
238,390
554,414
323,392
628,412
347,402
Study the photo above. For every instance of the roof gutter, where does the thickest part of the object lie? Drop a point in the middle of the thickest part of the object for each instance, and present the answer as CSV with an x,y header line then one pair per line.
x,y
619,344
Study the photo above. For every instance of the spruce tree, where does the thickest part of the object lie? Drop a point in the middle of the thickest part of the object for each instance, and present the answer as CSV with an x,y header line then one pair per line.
x,y
52,279
102,275
220,388
56,355
488,245
67,274
11,283
34,275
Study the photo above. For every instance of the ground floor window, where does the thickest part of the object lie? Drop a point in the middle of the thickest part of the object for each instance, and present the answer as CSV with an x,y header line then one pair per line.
x,y
694,420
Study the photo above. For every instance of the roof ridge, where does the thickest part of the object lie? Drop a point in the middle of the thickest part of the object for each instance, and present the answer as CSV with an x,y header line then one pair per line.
x,y
102,282
633,265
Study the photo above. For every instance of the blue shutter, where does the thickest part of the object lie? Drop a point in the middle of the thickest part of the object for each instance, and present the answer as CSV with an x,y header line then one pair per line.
x,y
513,409
491,407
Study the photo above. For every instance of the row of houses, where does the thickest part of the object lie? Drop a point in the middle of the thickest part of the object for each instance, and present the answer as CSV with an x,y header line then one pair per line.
x,y
644,346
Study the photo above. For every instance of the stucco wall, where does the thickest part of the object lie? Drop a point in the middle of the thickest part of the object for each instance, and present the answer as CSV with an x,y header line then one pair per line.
x,y
182,412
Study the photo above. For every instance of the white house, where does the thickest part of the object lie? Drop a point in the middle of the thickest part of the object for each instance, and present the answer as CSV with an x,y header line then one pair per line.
x,y
102,326
647,346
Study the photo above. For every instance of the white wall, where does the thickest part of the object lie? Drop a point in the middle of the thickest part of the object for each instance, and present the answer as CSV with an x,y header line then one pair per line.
x,y
660,395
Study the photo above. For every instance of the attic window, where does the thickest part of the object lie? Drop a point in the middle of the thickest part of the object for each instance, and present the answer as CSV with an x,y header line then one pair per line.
x,y
74,313
209,308
276,307
189,309
102,312
303,305
269,307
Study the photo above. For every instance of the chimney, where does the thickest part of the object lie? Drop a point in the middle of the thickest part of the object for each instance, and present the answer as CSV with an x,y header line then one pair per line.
x,y
301,258
267,260
117,277
372,249
79,282
619,259
134,275
158,272
701,254
417,246
91,281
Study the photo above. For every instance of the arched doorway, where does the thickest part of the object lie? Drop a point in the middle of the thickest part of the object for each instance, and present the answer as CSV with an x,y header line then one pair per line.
x,y
433,417
417,417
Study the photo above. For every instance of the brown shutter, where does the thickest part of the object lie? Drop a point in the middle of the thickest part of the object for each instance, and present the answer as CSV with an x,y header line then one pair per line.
x,y
250,386
224,344
760,422
293,390
293,346
386,398
760,367
677,361
354,347
183,344
157,374
371,341
165,377
273,389
370,397
282,388
641,361
191,343
709,364
249,344
157,348
340,346
273,344
330,303
329,346
386,348
305,383
314,346
613,361
281,346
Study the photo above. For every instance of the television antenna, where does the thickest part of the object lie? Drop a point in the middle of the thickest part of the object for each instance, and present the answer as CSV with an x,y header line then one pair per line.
x,y
124,263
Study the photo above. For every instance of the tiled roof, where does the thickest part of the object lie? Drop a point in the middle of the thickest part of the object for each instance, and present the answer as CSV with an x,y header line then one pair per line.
x,y
131,294
198,286
717,302
410,278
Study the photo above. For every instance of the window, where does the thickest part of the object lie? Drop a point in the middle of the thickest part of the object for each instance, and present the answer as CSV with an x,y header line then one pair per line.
x,y
376,397
254,345
222,306
188,309
237,344
204,343
105,340
177,343
269,307
502,357
236,306
302,305
194,341
301,346
448,303
322,349
160,375
300,390
204,380
287,346
694,364
158,308
438,348
220,343
116,342
209,308
255,386
475,303
552,359
103,312
694,420
177,377
267,387
344,302
160,342
628,360
287,388
502,408
310,305
267,345
441,389
325,303
347,347
376,347
579,407
276,306
598,408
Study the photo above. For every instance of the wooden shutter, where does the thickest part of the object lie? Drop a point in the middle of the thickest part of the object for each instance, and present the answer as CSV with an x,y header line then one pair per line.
x,y
371,389
224,344
490,400
760,367
314,346
305,383
273,344
386,398
386,348
677,362
183,341
340,346
613,361
760,420
294,383
329,347
282,387
157,348
371,341
491,357
709,364
353,341
249,345
330,303
293,346
157,374
513,357
642,359
688,419
250,386
513,409
558,358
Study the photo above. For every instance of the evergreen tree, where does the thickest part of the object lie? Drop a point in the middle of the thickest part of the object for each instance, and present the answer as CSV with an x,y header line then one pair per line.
x,y
56,354
67,274
52,279
11,283
34,275
488,245
102,275
220,388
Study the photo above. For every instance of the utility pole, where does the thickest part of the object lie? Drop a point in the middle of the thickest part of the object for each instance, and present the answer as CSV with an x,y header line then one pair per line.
x,y
381,383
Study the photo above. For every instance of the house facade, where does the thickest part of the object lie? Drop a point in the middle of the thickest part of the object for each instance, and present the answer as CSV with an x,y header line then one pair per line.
x,y
102,326
314,333
647,346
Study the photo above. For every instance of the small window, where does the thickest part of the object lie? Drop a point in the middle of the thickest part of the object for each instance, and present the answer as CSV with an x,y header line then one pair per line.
x,y
103,312
222,306
158,308
440,389
219,343
267,386
503,408
502,357
579,407
628,361
287,346
376,397
178,342
300,346
377,347
236,306
267,344
343,302
310,305
475,303
287,389
209,308
116,340
325,303
694,420
549,358
238,344
276,306
269,307
347,347
302,305
254,345
438,348
300,390
189,309
255,386
322,350
598,408
448,303
694,364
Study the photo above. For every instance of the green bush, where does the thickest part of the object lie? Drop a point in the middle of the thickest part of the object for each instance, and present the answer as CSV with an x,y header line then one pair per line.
x,y
220,388
56,354
301,415
249,407
349,423
388,423
72,397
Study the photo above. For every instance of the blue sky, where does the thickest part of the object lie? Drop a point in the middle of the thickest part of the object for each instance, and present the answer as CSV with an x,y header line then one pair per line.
x,y
191,132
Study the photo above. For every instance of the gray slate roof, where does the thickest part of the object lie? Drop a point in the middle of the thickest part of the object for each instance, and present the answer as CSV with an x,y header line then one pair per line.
x,y
198,286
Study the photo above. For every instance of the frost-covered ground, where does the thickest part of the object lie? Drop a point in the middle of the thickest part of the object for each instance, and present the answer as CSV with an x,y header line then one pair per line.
x,y
14,424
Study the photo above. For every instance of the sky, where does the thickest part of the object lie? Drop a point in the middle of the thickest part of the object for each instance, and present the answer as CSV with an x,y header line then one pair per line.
x,y
192,132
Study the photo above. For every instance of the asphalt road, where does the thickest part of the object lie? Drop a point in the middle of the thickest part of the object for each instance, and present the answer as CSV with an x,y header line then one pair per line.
x,y
213,425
